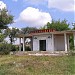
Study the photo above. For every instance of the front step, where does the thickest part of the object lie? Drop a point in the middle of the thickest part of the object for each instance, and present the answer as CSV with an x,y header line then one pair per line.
x,y
41,53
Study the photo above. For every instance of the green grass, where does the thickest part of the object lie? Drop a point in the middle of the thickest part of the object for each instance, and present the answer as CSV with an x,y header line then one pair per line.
x,y
37,65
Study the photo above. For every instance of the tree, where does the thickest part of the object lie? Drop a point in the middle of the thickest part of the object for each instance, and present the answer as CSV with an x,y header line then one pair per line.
x,y
1,37
28,29
11,33
73,24
58,25
5,18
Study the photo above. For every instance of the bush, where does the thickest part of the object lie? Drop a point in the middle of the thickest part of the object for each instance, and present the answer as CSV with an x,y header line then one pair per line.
x,y
7,48
27,48
14,48
72,53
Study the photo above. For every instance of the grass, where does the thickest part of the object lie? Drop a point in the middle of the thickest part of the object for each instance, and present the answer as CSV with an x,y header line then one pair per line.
x,y
37,65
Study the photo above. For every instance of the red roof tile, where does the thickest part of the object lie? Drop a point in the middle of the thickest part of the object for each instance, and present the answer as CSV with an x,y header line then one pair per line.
x,y
43,31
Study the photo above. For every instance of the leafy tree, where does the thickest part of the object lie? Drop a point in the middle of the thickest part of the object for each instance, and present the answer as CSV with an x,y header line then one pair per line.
x,y
28,29
11,33
5,18
71,42
1,37
73,24
58,25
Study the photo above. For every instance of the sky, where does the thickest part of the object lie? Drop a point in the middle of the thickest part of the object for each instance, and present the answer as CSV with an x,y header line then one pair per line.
x,y
36,13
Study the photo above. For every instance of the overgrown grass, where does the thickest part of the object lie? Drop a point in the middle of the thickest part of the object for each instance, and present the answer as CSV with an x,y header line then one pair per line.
x,y
37,65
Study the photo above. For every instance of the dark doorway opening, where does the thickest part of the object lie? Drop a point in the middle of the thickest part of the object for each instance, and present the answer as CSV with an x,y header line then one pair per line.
x,y
42,45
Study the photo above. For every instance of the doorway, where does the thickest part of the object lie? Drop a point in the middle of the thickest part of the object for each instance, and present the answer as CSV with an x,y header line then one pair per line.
x,y
42,45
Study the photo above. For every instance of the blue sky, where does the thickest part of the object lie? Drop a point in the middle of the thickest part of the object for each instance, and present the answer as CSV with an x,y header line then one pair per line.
x,y
38,12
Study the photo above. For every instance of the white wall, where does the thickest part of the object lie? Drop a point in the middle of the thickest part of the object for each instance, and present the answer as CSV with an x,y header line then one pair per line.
x,y
42,37
35,44
59,42
49,45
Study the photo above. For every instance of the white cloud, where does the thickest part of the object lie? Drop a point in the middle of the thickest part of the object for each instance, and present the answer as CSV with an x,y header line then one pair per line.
x,y
34,17
15,0
65,5
2,5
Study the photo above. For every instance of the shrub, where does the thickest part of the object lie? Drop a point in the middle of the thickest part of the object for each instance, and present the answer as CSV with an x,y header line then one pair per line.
x,y
27,48
14,48
5,48
72,53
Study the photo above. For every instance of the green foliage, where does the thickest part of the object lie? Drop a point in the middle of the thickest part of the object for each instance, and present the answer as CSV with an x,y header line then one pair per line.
x,y
58,25
14,48
73,24
6,48
2,36
7,31
5,19
27,48
11,33
71,42
28,29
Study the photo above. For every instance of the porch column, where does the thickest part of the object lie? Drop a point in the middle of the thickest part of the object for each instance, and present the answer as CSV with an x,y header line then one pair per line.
x,y
52,42
74,39
65,39
19,44
31,44
23,44
68,42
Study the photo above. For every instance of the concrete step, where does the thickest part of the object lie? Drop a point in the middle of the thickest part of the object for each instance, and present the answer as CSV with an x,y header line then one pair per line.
x,y
40,53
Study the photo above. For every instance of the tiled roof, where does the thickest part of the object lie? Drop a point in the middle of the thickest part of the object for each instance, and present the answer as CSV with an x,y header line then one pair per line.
x,y
42,31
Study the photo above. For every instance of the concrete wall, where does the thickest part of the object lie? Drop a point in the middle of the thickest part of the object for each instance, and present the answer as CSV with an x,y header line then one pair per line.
x,y
49,46
59,42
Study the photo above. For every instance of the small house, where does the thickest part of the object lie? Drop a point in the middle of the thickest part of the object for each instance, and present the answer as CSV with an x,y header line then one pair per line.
x,y
47,40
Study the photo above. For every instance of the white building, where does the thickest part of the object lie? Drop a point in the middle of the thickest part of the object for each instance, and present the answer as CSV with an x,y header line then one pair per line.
x,y
48,40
